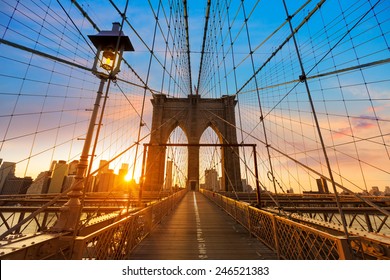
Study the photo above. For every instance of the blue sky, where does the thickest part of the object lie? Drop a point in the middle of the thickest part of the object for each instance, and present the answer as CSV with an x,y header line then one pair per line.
x,y
50,98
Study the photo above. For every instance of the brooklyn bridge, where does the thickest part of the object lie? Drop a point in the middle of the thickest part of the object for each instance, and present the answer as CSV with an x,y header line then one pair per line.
x,y
186,130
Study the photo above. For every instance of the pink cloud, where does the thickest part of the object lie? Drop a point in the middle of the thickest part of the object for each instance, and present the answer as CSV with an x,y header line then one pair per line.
x,y
357,125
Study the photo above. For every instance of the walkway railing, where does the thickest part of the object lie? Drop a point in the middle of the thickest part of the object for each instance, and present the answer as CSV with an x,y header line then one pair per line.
x,y
290,240
117,240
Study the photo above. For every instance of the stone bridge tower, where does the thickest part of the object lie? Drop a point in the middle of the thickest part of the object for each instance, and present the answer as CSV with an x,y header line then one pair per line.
x,y
193,115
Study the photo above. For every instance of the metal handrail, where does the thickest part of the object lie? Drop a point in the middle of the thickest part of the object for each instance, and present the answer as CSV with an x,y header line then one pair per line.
x,y
289,239
117,240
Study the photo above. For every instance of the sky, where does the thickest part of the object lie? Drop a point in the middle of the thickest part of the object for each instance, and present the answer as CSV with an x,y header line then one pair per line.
x,y
45,105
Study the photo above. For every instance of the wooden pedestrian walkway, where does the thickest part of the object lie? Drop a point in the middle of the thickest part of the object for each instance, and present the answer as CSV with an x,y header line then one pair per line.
x,y
199,229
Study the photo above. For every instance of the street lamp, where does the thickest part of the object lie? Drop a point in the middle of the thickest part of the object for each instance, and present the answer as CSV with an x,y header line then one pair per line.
x,y
110,47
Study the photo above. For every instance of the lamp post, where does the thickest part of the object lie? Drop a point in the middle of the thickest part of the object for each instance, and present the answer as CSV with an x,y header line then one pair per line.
x,y
110,46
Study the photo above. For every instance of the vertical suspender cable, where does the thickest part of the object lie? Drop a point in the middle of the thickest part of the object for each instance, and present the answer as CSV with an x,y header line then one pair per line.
x,y
259,102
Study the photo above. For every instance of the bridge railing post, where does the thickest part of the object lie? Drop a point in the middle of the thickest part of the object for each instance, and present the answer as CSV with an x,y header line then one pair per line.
x,y
249,220
78,249
275,231
343,249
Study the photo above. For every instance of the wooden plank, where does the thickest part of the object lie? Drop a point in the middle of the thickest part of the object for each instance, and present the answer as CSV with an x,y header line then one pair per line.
x,y
198,229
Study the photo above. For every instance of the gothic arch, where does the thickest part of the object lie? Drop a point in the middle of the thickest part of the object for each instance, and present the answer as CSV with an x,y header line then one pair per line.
x,y
171,128
193,115
214,128
210,164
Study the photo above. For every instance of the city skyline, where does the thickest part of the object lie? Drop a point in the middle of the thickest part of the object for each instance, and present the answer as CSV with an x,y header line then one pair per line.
x,y
118,180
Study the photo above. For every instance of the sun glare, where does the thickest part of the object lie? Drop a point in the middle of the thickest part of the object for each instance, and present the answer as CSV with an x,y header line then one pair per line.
x,y
128,177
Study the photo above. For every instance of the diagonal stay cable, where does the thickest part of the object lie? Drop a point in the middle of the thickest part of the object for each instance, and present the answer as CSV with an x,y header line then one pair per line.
x,y
384,211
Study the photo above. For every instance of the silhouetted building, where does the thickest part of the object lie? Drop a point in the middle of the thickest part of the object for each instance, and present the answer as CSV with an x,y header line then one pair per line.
x,y
121,182
90,186
168,175
211,179
7,171
52,165
16,185
58,176
103,166
106,181
68,182
375,191
322,185
40,184
245,186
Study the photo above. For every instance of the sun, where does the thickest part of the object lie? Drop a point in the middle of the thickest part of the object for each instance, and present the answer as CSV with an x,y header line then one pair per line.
x,y
128,177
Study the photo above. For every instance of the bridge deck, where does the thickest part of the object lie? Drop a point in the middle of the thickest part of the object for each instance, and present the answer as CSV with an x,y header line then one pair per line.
x,y
198,229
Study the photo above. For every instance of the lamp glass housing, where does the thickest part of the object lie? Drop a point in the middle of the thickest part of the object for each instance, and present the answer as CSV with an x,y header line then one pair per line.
x,y
108,59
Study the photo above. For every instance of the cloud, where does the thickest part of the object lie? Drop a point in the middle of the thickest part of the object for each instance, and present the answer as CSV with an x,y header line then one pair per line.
x,y
358,125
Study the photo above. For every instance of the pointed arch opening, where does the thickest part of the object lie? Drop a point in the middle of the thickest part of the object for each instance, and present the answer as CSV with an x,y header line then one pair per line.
x,y
210,161
176,161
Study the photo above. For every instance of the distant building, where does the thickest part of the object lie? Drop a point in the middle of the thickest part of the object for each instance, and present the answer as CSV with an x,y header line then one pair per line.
x,y
68,182
106,181
375,191
7,171
40,184
245,186
16,185
90,184
290,190
322,185
121,182
387,190
168,175
211,179
52,165
104,165
57,177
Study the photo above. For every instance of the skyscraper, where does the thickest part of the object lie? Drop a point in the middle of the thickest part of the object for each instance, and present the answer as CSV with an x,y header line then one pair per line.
x,y
121,182
40,184
168,175
16,185
103,166
7,171
52,165
211,179
106,181
58,176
